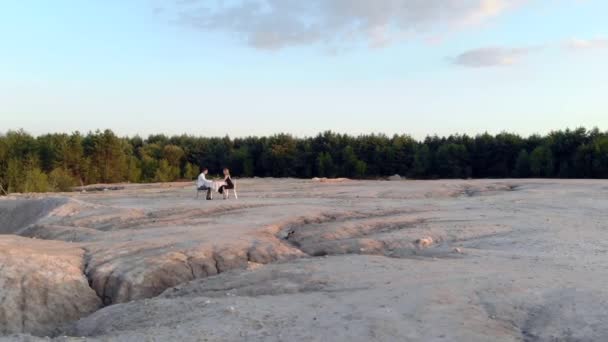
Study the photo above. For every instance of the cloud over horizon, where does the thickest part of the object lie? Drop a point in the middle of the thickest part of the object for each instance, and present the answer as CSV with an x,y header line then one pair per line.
x,y
587,44
276,24
491,57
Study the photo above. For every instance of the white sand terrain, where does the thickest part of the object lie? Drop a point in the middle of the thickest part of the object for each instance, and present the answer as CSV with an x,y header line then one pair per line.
x,y
305,260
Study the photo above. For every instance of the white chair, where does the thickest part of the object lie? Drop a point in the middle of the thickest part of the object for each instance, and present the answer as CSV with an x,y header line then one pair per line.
x,y
227,192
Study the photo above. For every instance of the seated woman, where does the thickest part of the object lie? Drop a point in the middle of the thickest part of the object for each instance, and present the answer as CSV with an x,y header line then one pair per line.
x,y
228,184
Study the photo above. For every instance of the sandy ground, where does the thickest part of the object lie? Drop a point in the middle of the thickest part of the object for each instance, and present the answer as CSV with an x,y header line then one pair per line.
x,y
304,260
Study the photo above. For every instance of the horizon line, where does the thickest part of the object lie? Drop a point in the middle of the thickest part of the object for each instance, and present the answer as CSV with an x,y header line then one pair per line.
x,y
297,136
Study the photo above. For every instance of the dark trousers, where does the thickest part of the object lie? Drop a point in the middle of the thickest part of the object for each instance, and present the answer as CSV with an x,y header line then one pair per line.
x,y
203,188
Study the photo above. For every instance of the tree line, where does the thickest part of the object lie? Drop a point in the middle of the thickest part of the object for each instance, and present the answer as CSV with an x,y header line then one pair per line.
x,y
57,162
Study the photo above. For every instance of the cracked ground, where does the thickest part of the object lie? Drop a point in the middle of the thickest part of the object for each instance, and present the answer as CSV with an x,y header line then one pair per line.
x,y
299,260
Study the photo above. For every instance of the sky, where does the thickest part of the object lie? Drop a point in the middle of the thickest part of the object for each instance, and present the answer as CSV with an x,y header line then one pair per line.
x,y
261,67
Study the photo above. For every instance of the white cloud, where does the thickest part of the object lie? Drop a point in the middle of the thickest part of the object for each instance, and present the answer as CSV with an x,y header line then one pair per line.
x,y
504,56
585,44
275,24
491,57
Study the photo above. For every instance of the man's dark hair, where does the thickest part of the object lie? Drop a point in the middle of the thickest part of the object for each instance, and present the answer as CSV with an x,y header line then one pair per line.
x,y
203,169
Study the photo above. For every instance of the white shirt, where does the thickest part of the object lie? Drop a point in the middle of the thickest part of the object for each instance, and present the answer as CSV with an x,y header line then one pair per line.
x,y
203,182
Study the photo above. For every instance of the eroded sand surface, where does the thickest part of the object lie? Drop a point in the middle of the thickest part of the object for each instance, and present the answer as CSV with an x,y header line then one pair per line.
x,y
303,260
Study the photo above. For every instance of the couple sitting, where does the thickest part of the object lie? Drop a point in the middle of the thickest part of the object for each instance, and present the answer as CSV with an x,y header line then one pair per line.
x,y
202,184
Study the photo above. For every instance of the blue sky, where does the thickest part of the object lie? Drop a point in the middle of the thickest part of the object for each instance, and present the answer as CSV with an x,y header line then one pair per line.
x,y
258,67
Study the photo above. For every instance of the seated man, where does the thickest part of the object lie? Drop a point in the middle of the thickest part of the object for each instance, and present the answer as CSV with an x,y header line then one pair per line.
x,y
203,184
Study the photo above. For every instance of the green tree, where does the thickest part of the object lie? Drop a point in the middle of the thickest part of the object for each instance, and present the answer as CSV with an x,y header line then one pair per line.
x,y
325,165
108,156
359,169
541,162
15,175
101,156
35,181
190,171
61,180
452,161
90,173
173,154
583,161
71,157
3,165
422,162
522,165
149,156
48,149
166,172
134,172
404,148
279,156
351,165
600,157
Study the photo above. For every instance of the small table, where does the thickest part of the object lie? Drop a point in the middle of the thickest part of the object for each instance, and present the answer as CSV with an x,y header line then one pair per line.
x,y
217,184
